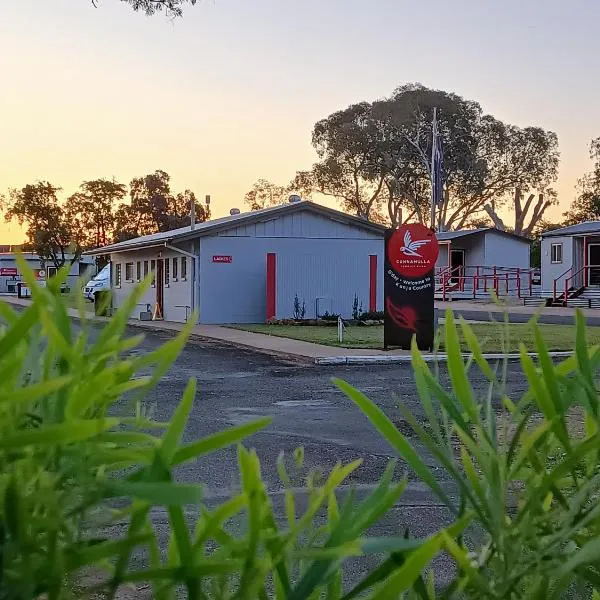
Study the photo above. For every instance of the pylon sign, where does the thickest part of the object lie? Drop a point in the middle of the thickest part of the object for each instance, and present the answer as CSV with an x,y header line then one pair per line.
x,y
409,280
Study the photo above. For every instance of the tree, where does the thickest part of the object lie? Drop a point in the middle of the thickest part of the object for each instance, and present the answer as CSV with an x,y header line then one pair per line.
x,y
172,8
379,155
91,211
586,206
154,208
264,194
349,169
49,232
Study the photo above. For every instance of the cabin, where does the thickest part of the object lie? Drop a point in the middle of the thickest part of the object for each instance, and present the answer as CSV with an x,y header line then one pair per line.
x,y
473,263
571,265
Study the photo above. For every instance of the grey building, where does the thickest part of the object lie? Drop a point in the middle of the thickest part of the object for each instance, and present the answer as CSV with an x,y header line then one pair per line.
x,y
248,268
473,262
571,260
10,273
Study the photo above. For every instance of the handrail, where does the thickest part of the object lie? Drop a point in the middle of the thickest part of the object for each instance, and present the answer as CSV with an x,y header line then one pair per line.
x,y
573,275
554,296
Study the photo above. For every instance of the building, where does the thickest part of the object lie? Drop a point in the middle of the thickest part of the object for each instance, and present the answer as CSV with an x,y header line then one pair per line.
x,y
474,262
10,274
571,264
298,258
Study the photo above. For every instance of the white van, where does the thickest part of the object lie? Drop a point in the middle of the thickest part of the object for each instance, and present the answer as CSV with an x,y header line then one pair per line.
x,y
99,283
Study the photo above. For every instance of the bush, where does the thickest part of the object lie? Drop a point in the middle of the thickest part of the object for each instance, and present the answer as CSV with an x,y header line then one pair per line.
x,y
78,452
326,316
372,316
521,466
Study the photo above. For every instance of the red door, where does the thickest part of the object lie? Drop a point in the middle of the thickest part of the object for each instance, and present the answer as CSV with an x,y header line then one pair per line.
x,y
160,286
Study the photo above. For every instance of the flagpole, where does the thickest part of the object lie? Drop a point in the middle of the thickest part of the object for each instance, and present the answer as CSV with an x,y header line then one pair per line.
x,y
433,183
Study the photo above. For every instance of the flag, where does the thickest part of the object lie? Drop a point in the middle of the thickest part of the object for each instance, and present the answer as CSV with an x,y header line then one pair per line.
x,y
437,166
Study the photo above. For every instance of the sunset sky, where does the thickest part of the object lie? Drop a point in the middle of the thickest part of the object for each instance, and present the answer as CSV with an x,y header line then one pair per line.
x,y
230,92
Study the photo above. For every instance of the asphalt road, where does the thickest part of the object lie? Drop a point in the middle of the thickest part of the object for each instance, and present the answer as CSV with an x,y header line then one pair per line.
x,y
307,410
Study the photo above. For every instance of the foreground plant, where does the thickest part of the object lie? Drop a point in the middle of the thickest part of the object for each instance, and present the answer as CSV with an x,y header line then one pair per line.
x,y
523,466
78,453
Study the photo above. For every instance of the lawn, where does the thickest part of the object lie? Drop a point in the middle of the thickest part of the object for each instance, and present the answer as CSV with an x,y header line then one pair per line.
x,y
558,337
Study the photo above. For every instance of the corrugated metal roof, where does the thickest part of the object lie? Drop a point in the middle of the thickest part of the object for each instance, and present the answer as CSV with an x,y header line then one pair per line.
x,y
451,235
224,223
579,229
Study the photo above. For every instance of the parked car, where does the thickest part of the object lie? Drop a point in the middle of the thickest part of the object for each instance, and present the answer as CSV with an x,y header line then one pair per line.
x,y
99,283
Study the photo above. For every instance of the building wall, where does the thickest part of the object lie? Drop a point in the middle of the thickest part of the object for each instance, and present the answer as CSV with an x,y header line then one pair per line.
x,y
177,304
552,271
505,251
316,258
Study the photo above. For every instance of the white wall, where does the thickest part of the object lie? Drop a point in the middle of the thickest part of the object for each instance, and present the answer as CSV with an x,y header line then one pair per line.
x,y
552,271
506,251
177,293
311,268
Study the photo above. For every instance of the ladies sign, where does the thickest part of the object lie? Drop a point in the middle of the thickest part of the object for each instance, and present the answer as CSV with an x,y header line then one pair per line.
x,y
410,256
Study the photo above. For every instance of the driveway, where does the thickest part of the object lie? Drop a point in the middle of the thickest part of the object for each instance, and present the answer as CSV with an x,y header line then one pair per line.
x,y
236,385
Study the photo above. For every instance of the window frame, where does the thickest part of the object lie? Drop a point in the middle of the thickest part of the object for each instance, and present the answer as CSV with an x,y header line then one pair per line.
x,y
183,268
174,270
553,255
128,277
138,270
118,275
153,271
146,269
166,272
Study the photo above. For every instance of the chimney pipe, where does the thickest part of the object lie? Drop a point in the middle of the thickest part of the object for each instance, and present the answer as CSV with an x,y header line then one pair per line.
x,y
192,215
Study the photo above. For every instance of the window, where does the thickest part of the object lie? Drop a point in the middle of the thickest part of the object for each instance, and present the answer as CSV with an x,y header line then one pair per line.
x,y
129,271
145,269
51,271
153,269
184,268
118,275
138,270
174,269
556,253
167,274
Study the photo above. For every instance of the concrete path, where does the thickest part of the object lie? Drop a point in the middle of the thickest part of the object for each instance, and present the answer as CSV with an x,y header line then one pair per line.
x,y
330,355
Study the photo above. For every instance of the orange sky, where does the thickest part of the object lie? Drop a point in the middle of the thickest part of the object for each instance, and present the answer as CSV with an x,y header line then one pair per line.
x,y
230,93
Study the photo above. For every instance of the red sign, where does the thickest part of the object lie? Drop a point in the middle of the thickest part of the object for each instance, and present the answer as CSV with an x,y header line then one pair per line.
x,y
413,250
222,259
9,271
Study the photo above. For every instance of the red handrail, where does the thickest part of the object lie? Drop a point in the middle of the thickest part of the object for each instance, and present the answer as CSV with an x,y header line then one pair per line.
x,y
571,278
554,297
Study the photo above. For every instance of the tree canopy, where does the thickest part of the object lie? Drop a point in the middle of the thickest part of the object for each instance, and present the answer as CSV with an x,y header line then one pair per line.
x,y
375,159
172,8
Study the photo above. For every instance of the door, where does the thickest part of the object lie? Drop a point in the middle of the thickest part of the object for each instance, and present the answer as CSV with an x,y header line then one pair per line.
x,y
457,262
160,278
594,264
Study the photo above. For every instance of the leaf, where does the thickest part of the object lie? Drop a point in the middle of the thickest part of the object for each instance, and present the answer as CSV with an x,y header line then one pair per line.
x,y
387,429
34,392
174,433
219,440
54,435
161,493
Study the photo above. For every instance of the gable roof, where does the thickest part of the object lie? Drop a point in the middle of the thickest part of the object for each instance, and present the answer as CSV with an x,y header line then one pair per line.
x,y
224,223
451,235
579,229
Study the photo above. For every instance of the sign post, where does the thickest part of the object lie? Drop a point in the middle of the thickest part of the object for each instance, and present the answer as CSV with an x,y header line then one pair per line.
x,y
409,279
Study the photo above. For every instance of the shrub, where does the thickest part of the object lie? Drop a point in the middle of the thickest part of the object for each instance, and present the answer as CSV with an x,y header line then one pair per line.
x,y
519,465
377,315
75,437
329,316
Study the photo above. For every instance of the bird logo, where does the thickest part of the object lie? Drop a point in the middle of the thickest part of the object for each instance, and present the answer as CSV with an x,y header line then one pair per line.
x,y
411,246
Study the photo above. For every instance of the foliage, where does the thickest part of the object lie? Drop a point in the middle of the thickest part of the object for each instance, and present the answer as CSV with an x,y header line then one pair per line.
x,y
372,315
299,308
357,308
265,194
375,159
73,462
50,233
327,316
586,207
521,465
90,211
154,208
171,8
